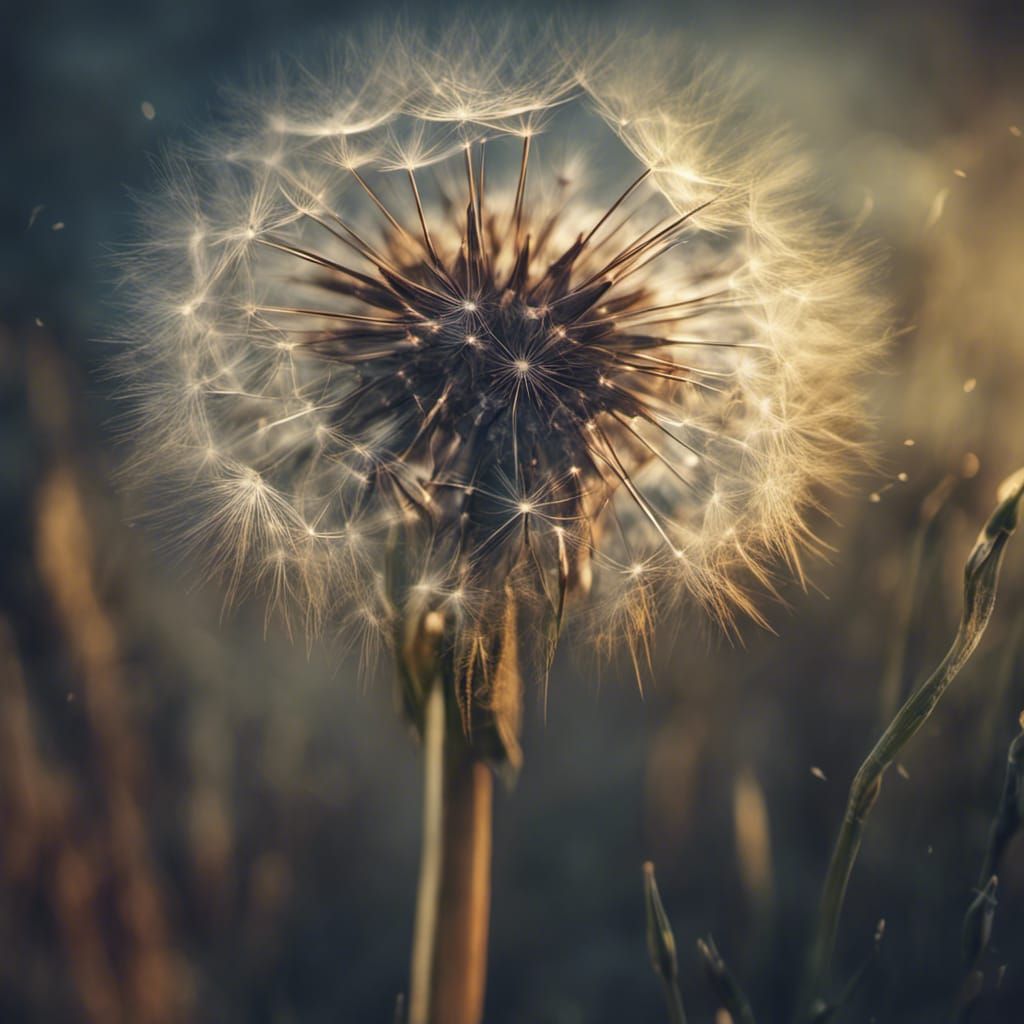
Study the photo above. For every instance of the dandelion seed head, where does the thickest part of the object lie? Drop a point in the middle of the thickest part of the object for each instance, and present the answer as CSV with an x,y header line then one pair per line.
x,y
552,321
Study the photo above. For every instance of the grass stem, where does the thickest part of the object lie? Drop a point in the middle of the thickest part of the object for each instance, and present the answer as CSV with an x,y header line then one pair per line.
x,y
981,576
661,947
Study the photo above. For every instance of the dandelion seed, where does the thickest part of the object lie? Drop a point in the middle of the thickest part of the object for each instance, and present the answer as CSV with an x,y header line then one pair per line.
x,y
866,209
397,304
937,207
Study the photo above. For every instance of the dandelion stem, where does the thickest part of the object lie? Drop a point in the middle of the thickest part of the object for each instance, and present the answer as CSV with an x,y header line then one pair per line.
x,y
449,957
981,576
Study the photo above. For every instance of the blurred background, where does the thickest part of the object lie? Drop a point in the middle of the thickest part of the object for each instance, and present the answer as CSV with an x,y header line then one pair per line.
x,y
202,822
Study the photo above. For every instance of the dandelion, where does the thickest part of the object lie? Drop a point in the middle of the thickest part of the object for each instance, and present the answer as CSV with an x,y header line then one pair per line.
x,y
436,346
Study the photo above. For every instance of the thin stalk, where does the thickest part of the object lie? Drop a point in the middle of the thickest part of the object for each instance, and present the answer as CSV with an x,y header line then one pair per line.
x,y
431,856
981,576
661,947
892,688
1010,814
673,1001
449,960
977,927
724,983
